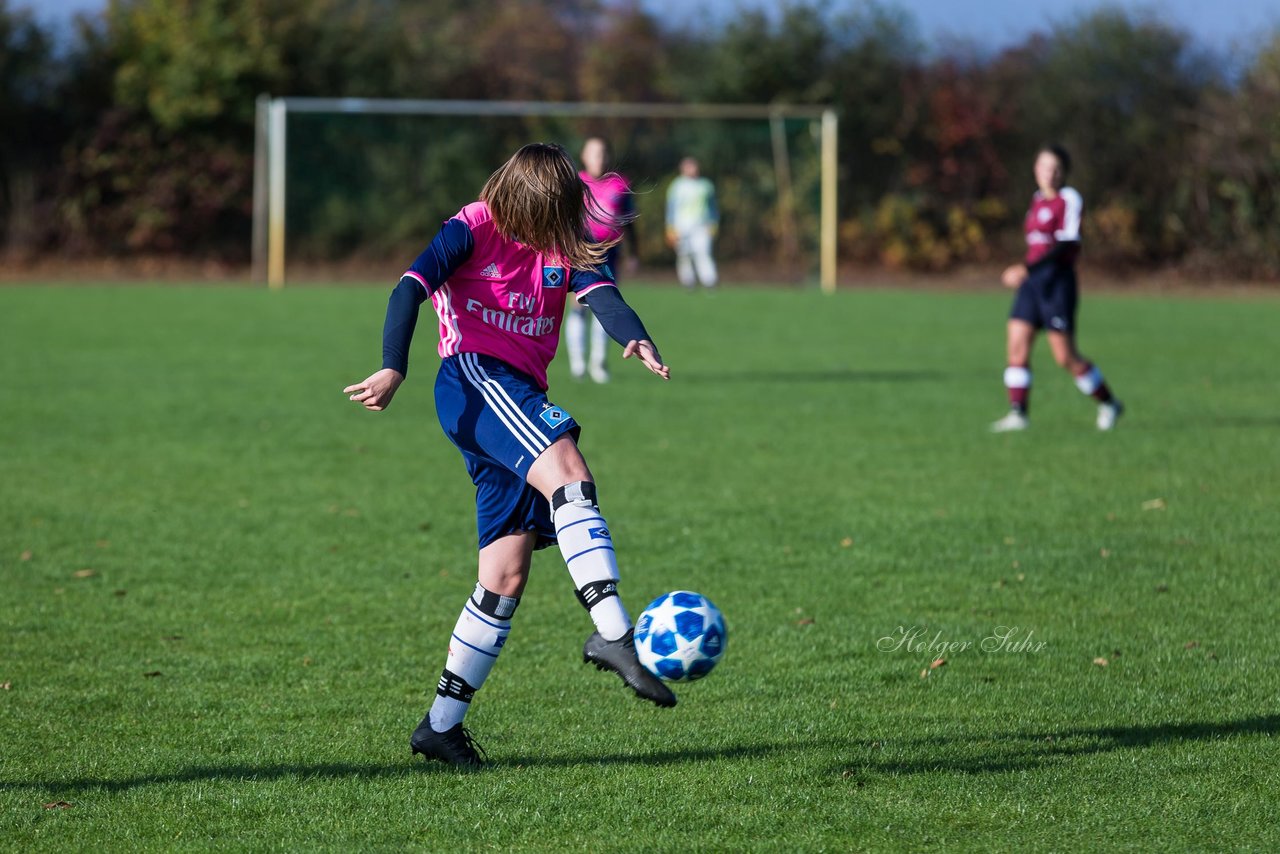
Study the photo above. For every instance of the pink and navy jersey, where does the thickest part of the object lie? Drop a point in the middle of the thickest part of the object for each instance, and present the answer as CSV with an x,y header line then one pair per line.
x,y
1053,221
614,197
498,297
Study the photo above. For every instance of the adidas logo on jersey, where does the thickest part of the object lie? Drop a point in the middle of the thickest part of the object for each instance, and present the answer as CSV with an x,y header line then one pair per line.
x,y
491,272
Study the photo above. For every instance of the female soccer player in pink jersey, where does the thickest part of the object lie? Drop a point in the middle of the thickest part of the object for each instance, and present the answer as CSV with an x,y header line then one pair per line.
x,y
497,275
1047,295
611,193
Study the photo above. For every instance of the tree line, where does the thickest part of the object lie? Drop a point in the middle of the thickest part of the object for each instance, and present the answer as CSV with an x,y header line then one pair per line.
x,y
133,133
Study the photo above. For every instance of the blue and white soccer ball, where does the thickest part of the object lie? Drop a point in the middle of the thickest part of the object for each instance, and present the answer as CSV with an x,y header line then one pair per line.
x,y
680,636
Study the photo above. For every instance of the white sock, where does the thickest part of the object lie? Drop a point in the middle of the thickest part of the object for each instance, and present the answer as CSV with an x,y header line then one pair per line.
x,y
478,637
587,549
1089,381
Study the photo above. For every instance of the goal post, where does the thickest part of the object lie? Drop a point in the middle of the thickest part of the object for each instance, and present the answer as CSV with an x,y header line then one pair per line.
x,y
271,155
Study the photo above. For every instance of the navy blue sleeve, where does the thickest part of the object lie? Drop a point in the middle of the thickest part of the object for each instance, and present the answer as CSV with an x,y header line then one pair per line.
x,y
450,248
582,282
448,251
402,317
618,319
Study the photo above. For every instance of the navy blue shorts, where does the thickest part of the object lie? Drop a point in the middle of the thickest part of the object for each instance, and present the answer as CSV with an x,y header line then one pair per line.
x,y
501,422
1047,299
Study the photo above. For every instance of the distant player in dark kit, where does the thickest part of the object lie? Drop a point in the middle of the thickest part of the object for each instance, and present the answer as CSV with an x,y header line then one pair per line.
x,y
497,275
1047,295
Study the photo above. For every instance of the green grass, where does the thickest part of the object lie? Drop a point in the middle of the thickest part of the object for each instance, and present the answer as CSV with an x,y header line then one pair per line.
x,y
290,566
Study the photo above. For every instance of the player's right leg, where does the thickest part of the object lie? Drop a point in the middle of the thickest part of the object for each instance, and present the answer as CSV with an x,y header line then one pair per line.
x,y
560,473
478,637
1019,336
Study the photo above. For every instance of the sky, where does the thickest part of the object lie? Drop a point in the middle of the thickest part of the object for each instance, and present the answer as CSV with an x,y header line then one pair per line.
x,y
1218,24
993,24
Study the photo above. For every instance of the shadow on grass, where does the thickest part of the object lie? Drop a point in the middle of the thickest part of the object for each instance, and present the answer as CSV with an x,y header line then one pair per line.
x,y
369,771
1029,750
215,773
997,754
669,757
834,375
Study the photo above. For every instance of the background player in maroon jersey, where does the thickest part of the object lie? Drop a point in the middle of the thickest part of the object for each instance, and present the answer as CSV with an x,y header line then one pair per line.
x,y
1047,295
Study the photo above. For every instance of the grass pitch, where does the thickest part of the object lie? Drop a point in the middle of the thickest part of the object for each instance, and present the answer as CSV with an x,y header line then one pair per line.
x,y
226,590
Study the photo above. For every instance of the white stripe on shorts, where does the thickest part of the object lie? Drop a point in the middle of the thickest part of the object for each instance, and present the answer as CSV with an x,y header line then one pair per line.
x,y
502,398
532,441
515,409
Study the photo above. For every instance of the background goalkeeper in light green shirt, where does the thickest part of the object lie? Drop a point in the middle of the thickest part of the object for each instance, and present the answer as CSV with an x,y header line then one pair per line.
x,y
692,220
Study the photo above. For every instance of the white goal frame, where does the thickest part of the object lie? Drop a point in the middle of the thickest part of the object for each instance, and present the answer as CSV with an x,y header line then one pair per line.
x,y
272,126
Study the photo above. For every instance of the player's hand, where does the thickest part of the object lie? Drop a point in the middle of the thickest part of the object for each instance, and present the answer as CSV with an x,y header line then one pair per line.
x,y
672,240
1014,276
376,392
648,355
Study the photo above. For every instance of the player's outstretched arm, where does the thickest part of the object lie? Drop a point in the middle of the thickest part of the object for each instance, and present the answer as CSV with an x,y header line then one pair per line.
x,y
375,391
649,357
450,248
623,325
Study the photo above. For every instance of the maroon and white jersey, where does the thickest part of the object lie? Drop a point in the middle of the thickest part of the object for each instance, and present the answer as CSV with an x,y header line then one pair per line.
x,y
1052,221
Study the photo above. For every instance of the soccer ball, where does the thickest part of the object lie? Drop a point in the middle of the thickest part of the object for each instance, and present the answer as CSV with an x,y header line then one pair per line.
x,y
680,636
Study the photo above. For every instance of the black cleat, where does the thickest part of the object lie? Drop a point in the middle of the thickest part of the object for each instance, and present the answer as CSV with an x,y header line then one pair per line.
x,y
620,657
454,746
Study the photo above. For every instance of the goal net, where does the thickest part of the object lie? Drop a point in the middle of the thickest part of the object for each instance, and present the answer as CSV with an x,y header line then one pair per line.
x,y
346,184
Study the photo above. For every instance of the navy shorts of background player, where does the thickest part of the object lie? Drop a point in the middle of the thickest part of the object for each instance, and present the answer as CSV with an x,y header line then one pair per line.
x,y
501,421
1047,298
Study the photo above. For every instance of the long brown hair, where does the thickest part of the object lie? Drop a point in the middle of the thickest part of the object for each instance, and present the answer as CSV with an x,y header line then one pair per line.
x,y
537,198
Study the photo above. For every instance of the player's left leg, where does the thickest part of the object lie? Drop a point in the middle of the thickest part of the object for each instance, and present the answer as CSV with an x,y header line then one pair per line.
x,y
575,333
599,340
560,473
599,351
1087,377
684,263
478,637
701,251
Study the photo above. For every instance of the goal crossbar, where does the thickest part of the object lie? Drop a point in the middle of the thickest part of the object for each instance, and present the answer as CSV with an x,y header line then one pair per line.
x,y
272,126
